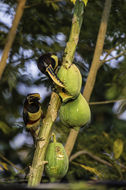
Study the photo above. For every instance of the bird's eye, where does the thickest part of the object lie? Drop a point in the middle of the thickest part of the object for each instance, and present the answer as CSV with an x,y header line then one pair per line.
x,y
45,64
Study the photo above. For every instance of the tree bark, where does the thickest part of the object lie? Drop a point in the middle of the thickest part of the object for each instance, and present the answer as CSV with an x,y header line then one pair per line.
x,y
93,70
11,35
98,51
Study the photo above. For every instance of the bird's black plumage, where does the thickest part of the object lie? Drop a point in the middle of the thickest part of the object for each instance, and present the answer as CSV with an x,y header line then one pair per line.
x,y
47,64
32,113
44,61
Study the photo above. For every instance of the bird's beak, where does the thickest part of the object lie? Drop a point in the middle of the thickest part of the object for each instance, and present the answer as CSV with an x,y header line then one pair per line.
x,y
56,60
53,76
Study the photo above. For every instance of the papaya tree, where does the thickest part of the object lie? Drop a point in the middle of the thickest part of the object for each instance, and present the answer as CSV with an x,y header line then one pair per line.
x,y
102,140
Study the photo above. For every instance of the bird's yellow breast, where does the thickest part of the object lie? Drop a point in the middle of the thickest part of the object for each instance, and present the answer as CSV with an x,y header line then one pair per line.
x,y
35,116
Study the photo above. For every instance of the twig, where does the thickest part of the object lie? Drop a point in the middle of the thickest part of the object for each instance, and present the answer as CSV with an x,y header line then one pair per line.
x,y
108,52
24,59
50,1
32,5
9,181
120,54
38,4
13,165
106,102
79,153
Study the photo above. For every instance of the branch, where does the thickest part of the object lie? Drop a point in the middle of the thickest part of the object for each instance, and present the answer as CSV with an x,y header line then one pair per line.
x,y
38,4
108,52
79,153
32,5
98,51
106,102
9,162
93,70
120,54
74,34
11,35
71,141
22,59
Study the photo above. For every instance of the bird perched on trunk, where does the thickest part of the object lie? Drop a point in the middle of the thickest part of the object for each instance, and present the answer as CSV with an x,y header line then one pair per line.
x,y
47,64
32,114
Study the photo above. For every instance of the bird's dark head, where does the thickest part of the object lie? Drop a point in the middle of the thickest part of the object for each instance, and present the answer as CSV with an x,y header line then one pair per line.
x,y
46,60
33,98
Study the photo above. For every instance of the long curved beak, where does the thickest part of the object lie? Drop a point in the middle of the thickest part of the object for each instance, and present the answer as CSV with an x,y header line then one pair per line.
x,y
53,76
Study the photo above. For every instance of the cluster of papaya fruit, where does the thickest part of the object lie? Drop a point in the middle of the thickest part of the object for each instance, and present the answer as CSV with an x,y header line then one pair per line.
x,y
74,110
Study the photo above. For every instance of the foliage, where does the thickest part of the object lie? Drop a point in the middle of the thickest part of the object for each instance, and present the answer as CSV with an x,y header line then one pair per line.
x,y
3,166
85,1
45,27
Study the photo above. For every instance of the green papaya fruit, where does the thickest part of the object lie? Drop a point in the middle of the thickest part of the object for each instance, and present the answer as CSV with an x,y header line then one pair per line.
x,y
75,113
72,80
58,163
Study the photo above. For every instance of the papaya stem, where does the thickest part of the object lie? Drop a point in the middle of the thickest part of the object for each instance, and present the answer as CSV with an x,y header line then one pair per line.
x,y
54,137
74,34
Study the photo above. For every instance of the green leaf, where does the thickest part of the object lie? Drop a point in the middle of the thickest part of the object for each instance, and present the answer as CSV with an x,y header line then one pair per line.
x,y
4,128
54,5
3,166
85,1
73,1
90,169
112,92
117,148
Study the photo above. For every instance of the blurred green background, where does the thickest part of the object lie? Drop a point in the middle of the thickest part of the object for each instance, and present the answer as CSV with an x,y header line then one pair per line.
x,y
45,27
